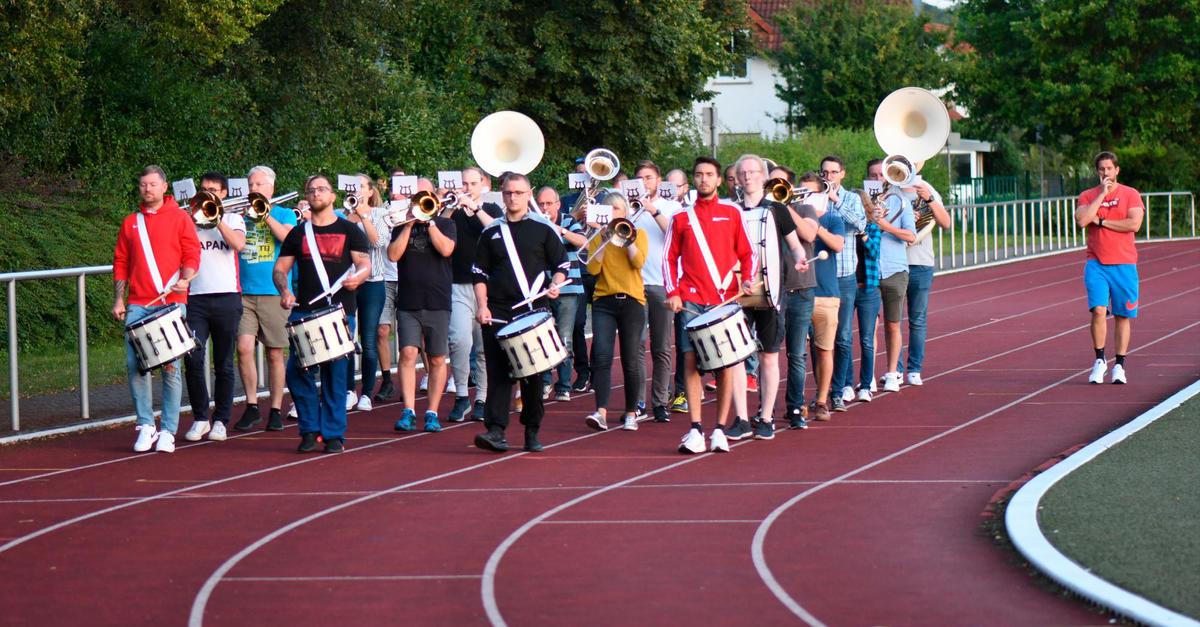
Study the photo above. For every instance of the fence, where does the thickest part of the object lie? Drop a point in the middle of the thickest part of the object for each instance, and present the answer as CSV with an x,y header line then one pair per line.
x,y
978,234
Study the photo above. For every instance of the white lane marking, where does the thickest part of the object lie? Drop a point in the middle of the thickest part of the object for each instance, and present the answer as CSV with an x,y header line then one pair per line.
x,y
356,578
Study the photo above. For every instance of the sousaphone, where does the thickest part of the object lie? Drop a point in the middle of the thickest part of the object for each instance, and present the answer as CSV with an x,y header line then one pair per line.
x,y
911,125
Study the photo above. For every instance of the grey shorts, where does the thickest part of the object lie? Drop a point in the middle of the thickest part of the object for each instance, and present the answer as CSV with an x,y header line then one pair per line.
x,y
892,291
425,327
388,316
263,318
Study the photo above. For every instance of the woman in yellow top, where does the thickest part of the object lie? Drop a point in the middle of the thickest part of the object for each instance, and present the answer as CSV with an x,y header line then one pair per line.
x,y
618,306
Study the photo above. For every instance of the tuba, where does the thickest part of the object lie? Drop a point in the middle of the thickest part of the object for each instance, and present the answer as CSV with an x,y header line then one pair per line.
x,y
507,141
911,125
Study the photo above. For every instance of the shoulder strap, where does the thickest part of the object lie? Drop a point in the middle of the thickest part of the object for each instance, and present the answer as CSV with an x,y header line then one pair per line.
x,y
702,241
515,259
148,252
315,253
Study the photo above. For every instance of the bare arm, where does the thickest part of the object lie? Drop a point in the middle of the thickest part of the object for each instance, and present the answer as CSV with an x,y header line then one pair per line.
x,y
279,275
831,240
1131,224
118,310
278,229
806,228
396,249
235,238
441,242
362,270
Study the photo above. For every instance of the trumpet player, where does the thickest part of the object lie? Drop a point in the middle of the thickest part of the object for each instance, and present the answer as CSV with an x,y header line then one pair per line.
x,y
848,207
894,217
367,212
655,220
214,308
263,320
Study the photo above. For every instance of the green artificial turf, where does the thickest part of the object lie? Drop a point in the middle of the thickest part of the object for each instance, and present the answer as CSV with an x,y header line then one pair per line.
x,y
1132,515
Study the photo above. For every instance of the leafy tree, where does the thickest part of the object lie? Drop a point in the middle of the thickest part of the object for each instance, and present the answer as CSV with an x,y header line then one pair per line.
x,y
838,60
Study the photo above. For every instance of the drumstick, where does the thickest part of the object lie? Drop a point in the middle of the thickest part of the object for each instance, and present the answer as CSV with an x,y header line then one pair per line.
x,y
738,294
541,294
495,320
337,285
168,291
821,256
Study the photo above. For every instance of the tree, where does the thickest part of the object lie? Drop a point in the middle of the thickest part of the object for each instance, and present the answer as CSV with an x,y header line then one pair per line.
x,y
838,60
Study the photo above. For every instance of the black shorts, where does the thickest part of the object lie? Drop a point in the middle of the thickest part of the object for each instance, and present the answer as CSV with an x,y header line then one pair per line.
x,y
428,326
768,328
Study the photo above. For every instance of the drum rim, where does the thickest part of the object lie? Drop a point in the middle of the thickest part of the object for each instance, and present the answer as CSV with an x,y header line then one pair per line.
x,y
502,334
160,312
316,313
730,306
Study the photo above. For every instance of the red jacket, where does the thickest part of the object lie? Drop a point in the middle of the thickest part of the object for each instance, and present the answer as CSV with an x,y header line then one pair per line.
x,y
173,238
726,237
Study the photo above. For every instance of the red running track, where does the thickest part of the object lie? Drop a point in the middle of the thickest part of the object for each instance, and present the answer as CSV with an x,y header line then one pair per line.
x,y
872,518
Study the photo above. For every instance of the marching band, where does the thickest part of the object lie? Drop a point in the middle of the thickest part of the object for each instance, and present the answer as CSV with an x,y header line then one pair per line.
x,y
485,289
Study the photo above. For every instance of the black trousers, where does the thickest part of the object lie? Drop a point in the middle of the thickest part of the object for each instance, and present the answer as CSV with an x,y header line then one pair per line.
x,y
215,315
614,315
495,410
579,347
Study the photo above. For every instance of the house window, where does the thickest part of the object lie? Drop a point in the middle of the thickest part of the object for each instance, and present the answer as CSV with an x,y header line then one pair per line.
x,y
738,66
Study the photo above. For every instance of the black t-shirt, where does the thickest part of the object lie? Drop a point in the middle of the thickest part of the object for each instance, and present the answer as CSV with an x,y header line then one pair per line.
x,y
540,249
335,242
423,274
468,229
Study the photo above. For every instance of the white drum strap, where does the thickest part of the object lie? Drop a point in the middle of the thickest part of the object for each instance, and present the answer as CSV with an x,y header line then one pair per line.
x,y
148,252
515,260
315,253
702,241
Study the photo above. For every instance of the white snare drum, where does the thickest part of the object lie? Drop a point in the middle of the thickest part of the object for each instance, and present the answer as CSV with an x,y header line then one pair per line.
x,y
532,344
760,227
720,337
320,337
160,338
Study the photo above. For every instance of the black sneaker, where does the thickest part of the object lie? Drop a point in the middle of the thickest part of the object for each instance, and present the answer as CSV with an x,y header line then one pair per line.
x,y
640,412
661,414
531,441
386,391
838,403
477,411
763,430
582,383
492,440
458,413
275,420
249,418
334,445
739,430
796,418
308,443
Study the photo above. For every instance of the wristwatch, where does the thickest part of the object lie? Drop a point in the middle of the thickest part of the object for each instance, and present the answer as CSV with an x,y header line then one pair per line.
x,y
1101,224
656,213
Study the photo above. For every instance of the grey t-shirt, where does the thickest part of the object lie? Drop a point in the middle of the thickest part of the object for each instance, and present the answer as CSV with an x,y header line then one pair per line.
x,y
793,280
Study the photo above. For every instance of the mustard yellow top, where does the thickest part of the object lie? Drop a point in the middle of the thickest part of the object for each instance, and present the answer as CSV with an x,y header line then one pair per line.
x,y
615,272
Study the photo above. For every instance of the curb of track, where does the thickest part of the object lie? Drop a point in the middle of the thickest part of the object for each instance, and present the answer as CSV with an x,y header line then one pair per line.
x,y
1021,521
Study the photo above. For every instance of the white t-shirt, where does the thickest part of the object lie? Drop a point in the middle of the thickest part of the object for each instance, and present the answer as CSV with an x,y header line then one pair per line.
x,y
922,253
656,239
218,262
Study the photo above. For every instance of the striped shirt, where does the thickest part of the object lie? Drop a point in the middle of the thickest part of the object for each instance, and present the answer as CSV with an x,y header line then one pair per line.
x,y
849,208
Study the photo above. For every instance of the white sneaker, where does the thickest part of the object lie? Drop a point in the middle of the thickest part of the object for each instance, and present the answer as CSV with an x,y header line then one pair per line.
x,y
847,394
914,378
166,443
450,387
717,442
874,386
692,442
424,383
891,382
196,433
1118,374
1098,370
630,423
364,403
147,434
292,413
864,395
218,432
596,421
351,400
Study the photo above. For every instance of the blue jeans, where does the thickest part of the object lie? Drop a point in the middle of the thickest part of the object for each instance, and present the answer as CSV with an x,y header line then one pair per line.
x,y
564,309
370,296
797,316
139,384
843,351
866,305
920,280
322,411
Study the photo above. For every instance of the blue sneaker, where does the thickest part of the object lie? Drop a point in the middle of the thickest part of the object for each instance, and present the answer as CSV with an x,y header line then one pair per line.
x,y
406,420
459,412
431,422
477,411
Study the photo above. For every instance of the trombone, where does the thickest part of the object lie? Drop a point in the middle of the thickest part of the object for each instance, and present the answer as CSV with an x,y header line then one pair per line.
x,y
781,191
621,232
424,207
255,206
206,210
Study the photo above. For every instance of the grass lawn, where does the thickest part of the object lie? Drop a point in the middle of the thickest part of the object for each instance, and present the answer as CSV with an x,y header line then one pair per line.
x,y
56,369
1132,515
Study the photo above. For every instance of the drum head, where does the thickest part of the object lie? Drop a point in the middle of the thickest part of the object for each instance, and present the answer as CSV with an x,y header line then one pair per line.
x,y
523,323
165,311
315,314
713,316
760,228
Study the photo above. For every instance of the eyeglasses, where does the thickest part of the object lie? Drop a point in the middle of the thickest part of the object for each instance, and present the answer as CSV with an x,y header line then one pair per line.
x,y
211,190
318,190
829,172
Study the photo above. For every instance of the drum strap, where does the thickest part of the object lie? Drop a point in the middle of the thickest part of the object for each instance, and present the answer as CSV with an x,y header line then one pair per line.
x,y
148,252
518,267
315,253
702,241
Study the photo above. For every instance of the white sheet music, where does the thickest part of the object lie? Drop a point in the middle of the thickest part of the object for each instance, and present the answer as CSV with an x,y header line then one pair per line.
x,y
496,198
873,187
577,180
449,179
633,188
238,187
666,190
348,183
599,214
406,185
184,190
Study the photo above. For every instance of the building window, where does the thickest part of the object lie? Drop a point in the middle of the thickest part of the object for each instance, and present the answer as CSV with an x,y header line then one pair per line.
x,y
738,65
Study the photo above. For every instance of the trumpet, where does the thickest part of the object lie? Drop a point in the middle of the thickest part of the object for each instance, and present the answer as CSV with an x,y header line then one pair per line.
x,y
620,232
350,203
206,210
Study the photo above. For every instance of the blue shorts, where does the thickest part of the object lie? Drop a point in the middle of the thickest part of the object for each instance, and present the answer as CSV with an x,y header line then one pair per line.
x,y
1113,286
687,314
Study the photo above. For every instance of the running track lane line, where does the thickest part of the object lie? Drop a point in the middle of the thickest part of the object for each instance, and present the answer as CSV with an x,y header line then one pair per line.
x,y
756,546
488,587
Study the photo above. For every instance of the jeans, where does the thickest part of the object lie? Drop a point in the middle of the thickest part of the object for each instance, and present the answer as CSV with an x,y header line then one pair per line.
x,y
866,305
920,280
612,315
370,296
218,315
843,348
661,329
564,308
139,384
798,311
680,332
320,411
582,364
465,335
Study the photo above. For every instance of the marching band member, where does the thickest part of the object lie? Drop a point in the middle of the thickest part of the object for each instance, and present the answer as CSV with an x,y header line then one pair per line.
x,y
512,252
422,253
470,219
895,220
161,233
262,317
654,221
825,297
387,316
339,245
618,308
920,278
368,215
867,301
679,179
768,322
214,304
798,306
848,207
566,306
715,221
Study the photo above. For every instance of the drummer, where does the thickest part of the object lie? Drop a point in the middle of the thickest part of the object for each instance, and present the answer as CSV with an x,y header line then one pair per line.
x,y
751,171
706,242
341,245
618,307
512,253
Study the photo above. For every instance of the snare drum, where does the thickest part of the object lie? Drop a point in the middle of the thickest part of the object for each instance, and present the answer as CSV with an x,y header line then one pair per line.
x,y
760,227
321,337
720,337
160,338
532,344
